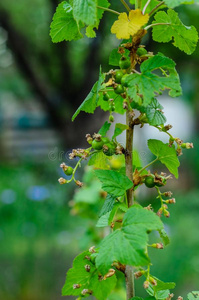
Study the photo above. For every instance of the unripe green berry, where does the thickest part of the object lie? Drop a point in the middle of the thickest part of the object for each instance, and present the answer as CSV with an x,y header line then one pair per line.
x,y
124,80
118,76
97,145
69,171
141,51
149,181
124,63
119,89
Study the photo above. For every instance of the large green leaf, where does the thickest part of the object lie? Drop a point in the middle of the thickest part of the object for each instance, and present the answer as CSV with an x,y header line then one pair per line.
x,y
113,182
85,11
142,88
166,154
128,244
64,26
90,103
87,280
185,38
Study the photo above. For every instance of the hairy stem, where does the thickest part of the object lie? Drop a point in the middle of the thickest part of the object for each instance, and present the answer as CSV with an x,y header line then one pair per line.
x,y
109,10
125,5
129,274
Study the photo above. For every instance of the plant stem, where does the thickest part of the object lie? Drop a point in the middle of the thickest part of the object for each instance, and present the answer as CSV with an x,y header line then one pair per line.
x,y
126,5
130,288
155,8
152,162
129,273
109,10
156,24
129,155
145,7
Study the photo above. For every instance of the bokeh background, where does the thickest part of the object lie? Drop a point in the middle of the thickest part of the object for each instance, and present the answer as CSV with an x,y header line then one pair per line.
x,y
41,85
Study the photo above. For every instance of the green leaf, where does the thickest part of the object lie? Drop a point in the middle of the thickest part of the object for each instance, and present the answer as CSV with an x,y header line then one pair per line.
x,y
164,237
113,182
193,296
161,290
105,128
90,103
108,204
185,38
64,26
115,57
87,280
90,29
119,128
167,155
142,88
85,11
99,160
103,220
174,3
128,244
118,101
154,113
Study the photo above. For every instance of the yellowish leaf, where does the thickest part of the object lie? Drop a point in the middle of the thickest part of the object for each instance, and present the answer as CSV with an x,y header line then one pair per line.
x,y
127,26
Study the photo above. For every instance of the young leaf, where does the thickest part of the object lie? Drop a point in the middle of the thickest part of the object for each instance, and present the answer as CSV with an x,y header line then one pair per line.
x,y
105,128
64,26
118,101
90,29
167,155
78,275
90,103
108,204
185,38
85,11
164,237
142,87
115,57
119,128
128,244
154,113
99,160
161,290
113,182
127,26
103,220
193,296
